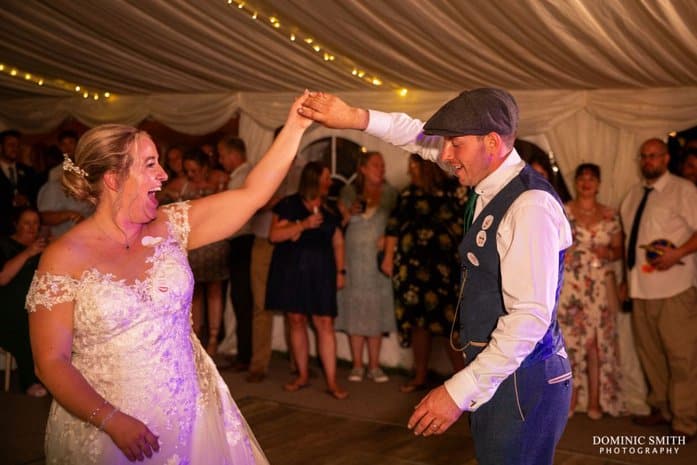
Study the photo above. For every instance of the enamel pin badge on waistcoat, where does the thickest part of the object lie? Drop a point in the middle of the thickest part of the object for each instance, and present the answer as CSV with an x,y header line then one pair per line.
x,y
480,239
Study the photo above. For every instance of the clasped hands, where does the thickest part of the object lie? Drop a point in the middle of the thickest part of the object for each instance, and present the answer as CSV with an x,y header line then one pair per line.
x,y
332,112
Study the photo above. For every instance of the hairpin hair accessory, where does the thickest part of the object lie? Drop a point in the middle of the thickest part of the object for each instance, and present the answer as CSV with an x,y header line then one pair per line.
x,y
69,165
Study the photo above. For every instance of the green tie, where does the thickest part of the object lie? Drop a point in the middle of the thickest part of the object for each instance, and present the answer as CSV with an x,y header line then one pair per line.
x,y
472,197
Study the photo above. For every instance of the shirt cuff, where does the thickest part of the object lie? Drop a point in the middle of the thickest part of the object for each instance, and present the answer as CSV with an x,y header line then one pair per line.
x,y
403,131
463,389
378,123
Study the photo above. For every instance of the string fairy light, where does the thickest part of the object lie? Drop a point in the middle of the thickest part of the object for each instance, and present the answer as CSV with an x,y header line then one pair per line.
x,y
303,39
54,83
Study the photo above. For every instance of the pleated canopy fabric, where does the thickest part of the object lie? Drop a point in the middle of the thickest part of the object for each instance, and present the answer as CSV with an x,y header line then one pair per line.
x,y
593,78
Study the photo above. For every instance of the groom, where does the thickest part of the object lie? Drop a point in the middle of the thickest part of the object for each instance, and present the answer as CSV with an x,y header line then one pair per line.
x,y
517,382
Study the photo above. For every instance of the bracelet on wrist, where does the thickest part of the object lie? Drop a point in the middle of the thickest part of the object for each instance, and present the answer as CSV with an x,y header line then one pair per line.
x,y
107,418
96,411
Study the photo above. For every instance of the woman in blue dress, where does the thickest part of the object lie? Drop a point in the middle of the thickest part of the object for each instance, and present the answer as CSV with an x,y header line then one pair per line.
x,y
366,308
306,269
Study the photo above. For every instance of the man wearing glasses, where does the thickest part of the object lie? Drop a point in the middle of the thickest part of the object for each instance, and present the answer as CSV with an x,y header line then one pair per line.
x,y
659,215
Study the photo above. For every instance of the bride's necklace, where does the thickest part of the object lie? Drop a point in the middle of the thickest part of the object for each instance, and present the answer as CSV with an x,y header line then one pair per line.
x,y
125,243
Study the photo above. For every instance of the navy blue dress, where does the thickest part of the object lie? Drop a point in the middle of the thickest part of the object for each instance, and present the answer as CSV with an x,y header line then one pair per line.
x,y
302,275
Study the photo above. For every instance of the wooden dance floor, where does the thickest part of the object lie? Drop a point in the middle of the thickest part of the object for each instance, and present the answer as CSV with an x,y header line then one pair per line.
x,y
311,428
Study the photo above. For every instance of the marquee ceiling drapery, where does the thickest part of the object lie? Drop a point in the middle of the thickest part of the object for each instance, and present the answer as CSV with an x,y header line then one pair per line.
x,y
593,77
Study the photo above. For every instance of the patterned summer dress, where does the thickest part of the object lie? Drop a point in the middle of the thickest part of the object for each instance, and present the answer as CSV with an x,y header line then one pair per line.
x,y
585,311
426,277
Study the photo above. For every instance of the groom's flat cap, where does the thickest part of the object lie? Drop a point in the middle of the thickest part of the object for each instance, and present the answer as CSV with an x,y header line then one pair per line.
x,y
475,112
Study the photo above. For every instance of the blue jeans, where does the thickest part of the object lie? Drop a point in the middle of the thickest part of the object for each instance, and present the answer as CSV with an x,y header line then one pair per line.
x,y
523,422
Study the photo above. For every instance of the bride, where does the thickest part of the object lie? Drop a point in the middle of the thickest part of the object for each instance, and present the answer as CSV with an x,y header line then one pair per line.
x,y
110,310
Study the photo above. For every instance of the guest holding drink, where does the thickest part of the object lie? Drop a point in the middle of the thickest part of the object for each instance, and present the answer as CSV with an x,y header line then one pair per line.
x,y
589,301
19,257
366,308
307,268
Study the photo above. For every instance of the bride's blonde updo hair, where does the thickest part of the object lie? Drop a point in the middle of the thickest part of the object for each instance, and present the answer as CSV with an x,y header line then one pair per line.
x,y
101,149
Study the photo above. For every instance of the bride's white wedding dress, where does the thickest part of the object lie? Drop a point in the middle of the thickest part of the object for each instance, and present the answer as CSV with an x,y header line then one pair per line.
x,y
134,344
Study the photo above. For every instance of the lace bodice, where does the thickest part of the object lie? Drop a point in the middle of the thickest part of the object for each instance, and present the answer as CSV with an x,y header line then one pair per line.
x,y
134,344
113,316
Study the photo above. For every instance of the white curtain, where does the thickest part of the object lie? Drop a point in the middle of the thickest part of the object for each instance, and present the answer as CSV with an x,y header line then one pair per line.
x,y
599,126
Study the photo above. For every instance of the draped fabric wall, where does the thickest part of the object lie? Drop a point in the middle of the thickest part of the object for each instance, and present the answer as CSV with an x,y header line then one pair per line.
x,y
599,126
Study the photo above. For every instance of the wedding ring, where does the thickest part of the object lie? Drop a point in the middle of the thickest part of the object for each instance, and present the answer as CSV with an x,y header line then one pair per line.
x,y
434,426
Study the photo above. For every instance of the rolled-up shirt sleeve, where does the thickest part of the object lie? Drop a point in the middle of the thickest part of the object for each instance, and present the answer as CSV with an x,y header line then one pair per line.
x,y
529,275
404,131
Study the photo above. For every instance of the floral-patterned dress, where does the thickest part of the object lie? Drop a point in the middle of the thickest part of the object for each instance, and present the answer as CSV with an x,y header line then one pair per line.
x,y
588,308
426,274
211,262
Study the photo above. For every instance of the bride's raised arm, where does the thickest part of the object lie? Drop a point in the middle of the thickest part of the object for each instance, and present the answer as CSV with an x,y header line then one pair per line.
x,y
218,216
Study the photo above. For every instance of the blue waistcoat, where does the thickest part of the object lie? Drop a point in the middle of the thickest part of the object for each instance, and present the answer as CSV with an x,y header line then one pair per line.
x,y
481,297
